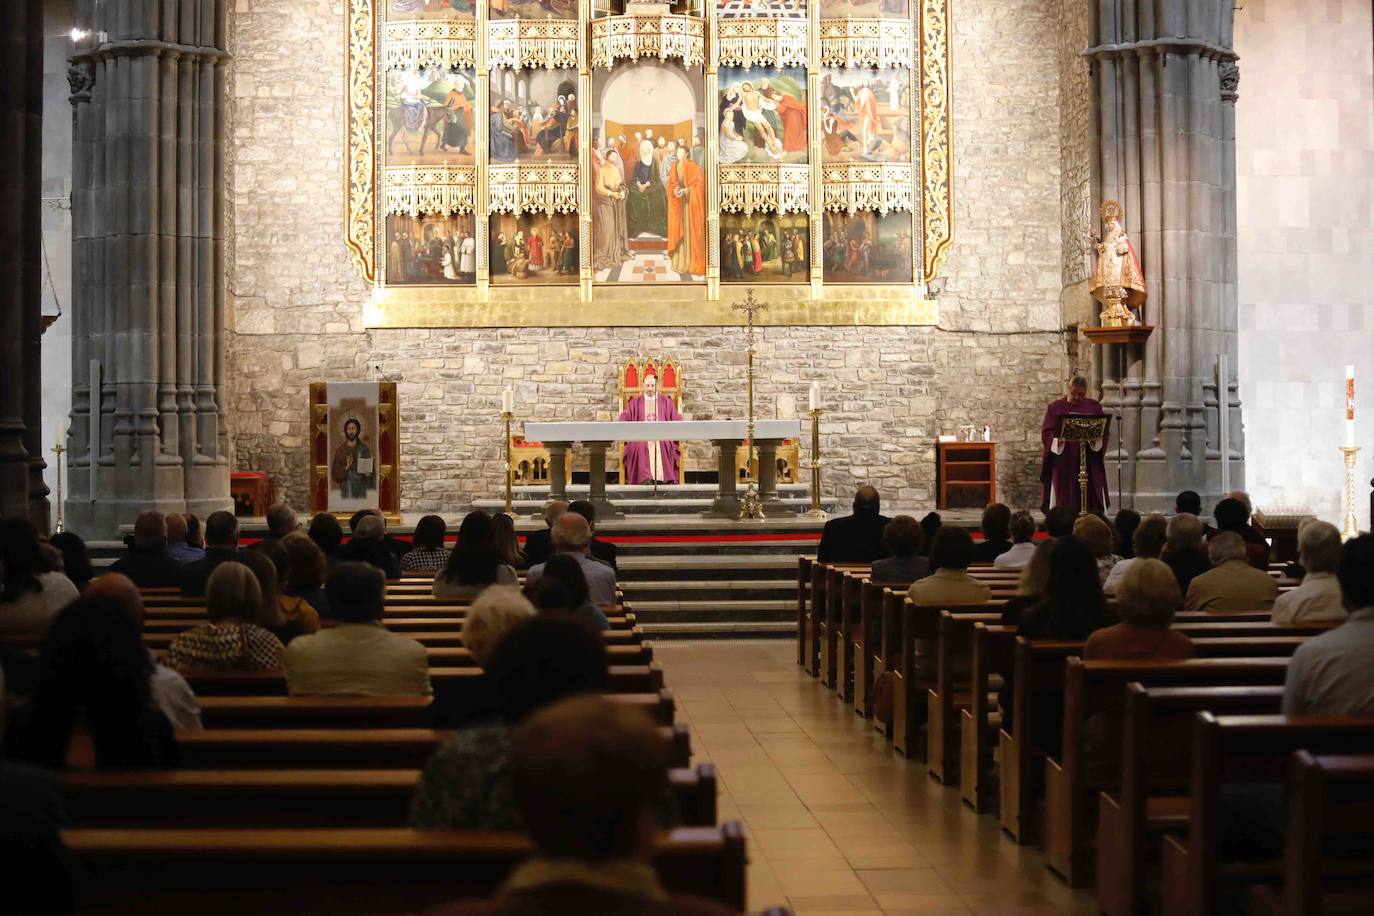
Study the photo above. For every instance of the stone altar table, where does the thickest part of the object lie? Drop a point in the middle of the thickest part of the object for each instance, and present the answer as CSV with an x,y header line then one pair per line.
x,y
725,435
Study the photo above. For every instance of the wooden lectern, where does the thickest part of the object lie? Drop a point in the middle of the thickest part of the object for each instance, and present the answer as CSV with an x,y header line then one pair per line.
x,y
1083,429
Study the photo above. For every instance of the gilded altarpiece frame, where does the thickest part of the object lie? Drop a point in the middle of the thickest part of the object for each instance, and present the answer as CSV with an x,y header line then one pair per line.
x,y
919,46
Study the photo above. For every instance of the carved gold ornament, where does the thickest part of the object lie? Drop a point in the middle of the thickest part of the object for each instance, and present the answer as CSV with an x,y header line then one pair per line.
x,y
416,189
549,43
663,37
532,188
866,43
417,44
764,42
781,188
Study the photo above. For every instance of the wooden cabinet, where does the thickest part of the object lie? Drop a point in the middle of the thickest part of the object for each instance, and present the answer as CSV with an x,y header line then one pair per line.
x,y
965,474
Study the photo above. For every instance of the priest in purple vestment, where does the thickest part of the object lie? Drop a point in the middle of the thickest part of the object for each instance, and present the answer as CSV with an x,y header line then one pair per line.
x,y
647,462
1059,468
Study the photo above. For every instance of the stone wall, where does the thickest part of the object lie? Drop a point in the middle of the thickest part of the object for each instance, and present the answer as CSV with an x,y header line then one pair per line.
x,y
997,356
1075,158
1305,154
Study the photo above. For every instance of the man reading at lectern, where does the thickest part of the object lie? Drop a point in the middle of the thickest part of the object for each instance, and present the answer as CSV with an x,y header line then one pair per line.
x,y
650,462
1060,461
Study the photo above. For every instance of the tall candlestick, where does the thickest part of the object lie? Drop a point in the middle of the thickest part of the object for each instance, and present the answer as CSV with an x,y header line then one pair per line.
x,y
1349,406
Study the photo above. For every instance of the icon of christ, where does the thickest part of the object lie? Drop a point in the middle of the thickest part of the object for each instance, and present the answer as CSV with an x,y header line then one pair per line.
x,y
649,462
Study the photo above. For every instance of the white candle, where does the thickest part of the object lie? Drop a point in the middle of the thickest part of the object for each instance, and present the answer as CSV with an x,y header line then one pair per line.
x,y
813,398
508,400
1350,406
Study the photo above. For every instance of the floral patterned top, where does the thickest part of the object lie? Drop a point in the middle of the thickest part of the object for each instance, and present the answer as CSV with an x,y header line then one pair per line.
x,y
227,644
466,783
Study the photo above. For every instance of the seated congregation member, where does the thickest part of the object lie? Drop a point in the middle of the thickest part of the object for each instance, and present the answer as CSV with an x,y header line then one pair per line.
x,y
1183,551
930,526
305,574
587,776
146,562
327,534
1032,585
601,550
171,693
286,618
996,534
1097,536
94,706
397,546
195,537
564,571
1232,584
1253,531
368,545
281,521
498,609
474,563
30,595
508,543
466,783
573,536
902,537
858,537
1124,526
40,875
221,545
179,547
76,558
539,544
1318,599
1074,605
1188,502
429,552
950,582
1059,521
234,639
1332,674
1147,599
1148,539
1232,515
1022,529
358,655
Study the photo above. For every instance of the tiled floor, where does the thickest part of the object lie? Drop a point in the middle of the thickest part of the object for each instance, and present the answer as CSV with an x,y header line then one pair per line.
x,y
835,822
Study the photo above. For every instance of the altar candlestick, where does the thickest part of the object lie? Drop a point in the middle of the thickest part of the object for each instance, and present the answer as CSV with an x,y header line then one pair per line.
x,y
1350,406
813,399
508,401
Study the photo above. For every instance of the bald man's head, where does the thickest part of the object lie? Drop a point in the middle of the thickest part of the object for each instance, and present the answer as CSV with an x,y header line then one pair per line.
x,y
866,499
572,533
176,528
554,510
118,587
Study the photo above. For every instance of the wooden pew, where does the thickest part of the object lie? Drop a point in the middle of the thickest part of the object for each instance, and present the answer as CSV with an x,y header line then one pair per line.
x,y
951,694
460,681
869,656
803,614
1151,797
330,870
289,798
1240,750
1330,813
620,618
853,631
367,712
428,630
1095,692
991,653
341,748
443,654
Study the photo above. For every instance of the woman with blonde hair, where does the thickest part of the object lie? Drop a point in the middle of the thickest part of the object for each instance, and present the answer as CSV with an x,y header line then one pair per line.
x,y
1147,600
1099,538
234,637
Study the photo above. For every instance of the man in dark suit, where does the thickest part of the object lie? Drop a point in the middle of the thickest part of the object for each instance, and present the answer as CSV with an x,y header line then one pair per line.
x,y
856,538
539,544
221,544
147,562
601,550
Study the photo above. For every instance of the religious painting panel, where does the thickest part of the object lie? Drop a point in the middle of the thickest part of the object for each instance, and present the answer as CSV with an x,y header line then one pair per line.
x,y
764,247
864,9
761,9
429,115
533,115
430,9
531,9
867,247
352,423
865,114
763,114
648,174
431,250
533,249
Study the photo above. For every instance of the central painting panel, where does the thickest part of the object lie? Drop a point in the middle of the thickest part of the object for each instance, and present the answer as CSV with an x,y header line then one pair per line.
x,y
649,174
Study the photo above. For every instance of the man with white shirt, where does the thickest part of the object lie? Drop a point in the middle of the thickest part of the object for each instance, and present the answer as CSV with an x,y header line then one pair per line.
x,y
572,534
1022,530
1318,599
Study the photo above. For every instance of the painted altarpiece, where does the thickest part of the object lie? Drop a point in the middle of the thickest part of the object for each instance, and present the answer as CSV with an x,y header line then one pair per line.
x,y
587,148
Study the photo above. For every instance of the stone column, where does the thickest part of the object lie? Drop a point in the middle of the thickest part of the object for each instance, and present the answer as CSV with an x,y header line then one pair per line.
x,y
22,491
1164,92
148,254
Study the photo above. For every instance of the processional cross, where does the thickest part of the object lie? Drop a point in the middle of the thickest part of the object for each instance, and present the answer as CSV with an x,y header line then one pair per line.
x,y
751,506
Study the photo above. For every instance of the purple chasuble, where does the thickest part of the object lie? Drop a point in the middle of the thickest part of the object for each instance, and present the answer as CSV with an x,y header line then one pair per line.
x,y
1059,473
636,467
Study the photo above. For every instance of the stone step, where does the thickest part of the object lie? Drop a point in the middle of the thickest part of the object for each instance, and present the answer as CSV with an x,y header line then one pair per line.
x,y
637,591
661,611
743,629
772,568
